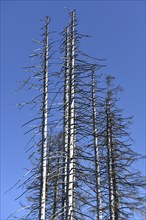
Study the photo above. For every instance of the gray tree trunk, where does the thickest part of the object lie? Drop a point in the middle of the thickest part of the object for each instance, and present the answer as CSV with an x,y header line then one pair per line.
x,y
66,124
96,150
71,174
109,151
42,213
116,195
56,190
115,185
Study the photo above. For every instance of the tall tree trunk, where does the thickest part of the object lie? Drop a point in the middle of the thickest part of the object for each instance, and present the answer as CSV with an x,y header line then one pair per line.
x,y
56,189
50,143
96,151
109,151
71,150
115,185
42,211
66,125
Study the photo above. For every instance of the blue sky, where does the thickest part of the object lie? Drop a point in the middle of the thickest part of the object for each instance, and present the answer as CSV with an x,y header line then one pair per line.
x,y
118,29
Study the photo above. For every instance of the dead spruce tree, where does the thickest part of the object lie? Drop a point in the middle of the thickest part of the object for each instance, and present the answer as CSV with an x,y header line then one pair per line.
x,y
42,213
123,184
67,109
96,148
36,183
70,191
69,123
66,121
89,171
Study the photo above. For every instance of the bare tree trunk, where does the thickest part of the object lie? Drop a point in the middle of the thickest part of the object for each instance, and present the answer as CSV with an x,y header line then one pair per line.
x,y
109,162
115,185
66,125
116,196
71,187
48,162
42,212
56,190
97,166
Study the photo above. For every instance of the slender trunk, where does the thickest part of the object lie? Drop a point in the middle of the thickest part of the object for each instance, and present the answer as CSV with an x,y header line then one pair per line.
x,y
42,211
66,125
115,185
116,196
97,166
50,142
109,149
71,150
56,190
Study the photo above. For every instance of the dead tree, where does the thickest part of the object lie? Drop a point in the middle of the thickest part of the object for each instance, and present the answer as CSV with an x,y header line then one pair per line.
x,y
109,153
36,183
96,150
42,213
66,121
124,184
72,138
69,123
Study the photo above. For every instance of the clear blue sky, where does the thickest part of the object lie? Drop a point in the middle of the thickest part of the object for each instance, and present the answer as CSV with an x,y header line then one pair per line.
x,y
118,28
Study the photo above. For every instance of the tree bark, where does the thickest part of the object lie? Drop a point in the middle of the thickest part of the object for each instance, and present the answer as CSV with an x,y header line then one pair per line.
x,y
56,189
66,125
96,151
71,187
109,153
115,185
42,212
